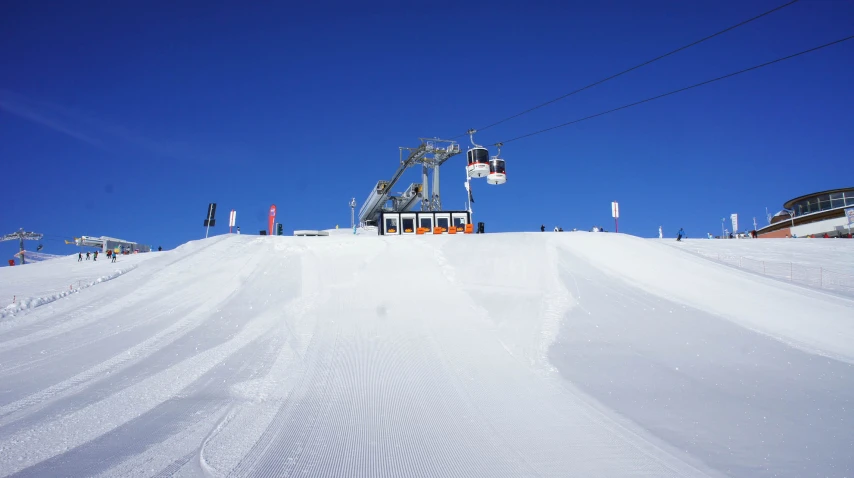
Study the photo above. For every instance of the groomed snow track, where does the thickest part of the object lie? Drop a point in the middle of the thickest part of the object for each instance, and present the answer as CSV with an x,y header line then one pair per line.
x,y
499,355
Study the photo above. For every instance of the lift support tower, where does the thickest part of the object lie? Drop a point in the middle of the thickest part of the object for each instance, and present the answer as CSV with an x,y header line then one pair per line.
x,y
431,154
21,235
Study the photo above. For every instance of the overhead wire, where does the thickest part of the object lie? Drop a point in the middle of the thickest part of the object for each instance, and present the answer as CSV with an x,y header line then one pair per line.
x,y
653,98
685,47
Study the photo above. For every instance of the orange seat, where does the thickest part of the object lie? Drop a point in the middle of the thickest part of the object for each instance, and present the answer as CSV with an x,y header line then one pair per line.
x,y
407,230
437,230
420,230
392,231
452,230
469,228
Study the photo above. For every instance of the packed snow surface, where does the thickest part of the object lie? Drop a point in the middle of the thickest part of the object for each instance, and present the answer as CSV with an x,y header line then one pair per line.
x,y
831,254
573,354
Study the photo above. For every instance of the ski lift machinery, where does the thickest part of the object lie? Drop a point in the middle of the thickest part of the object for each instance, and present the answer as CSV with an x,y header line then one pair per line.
x,y
397,210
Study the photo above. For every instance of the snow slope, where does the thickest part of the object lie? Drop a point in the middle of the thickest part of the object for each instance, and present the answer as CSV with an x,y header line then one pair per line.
x,y
32,285
472,355
831,254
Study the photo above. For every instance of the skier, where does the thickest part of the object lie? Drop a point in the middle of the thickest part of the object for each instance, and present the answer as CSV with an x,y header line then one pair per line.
x,y
159,248
115,256
680,234
87,255
79,256
95,256
542,228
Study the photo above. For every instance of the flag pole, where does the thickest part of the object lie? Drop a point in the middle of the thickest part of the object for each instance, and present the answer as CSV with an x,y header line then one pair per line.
x,y
210,209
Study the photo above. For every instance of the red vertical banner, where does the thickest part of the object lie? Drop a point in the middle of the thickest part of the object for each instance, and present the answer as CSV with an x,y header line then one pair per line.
x,y
272,220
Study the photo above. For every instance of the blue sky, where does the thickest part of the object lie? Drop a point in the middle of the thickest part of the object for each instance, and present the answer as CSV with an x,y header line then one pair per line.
x,y
126,119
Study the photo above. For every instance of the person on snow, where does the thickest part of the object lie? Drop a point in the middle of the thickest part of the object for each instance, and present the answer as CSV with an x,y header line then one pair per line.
x,y
79,256
95,256
555,228
680,234
115,256
87,255
542,228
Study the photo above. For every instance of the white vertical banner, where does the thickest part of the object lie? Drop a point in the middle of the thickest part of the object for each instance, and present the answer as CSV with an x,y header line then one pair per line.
x,y
232,218
615,210
734,218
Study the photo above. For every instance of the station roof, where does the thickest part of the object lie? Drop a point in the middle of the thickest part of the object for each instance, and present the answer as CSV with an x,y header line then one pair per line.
x,y
788,204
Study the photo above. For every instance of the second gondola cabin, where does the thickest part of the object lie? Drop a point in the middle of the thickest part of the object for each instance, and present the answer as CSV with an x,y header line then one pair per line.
x,y
497,173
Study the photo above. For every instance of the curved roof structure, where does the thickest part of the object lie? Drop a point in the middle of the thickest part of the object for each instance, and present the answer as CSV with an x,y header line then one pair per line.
x,y
788,204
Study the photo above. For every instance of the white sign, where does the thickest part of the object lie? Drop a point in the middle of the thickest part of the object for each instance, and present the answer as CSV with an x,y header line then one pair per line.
x,y
734,218
615,209
232,218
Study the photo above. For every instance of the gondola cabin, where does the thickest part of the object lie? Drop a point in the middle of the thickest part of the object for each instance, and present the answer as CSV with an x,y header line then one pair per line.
x,y
478,162
497,173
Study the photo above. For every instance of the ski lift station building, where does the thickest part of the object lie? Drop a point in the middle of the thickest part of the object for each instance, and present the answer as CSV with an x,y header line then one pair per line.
x,y
424,222
812,215
104,243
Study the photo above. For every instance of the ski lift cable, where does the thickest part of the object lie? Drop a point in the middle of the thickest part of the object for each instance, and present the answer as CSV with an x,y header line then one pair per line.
x,y
697,42
730,75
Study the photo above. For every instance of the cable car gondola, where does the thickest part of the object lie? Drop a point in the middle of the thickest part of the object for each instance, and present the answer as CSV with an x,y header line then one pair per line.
x,y
478,159
497,172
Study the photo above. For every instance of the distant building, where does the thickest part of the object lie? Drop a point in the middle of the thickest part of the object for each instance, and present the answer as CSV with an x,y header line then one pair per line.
x,y
105,243
813,214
